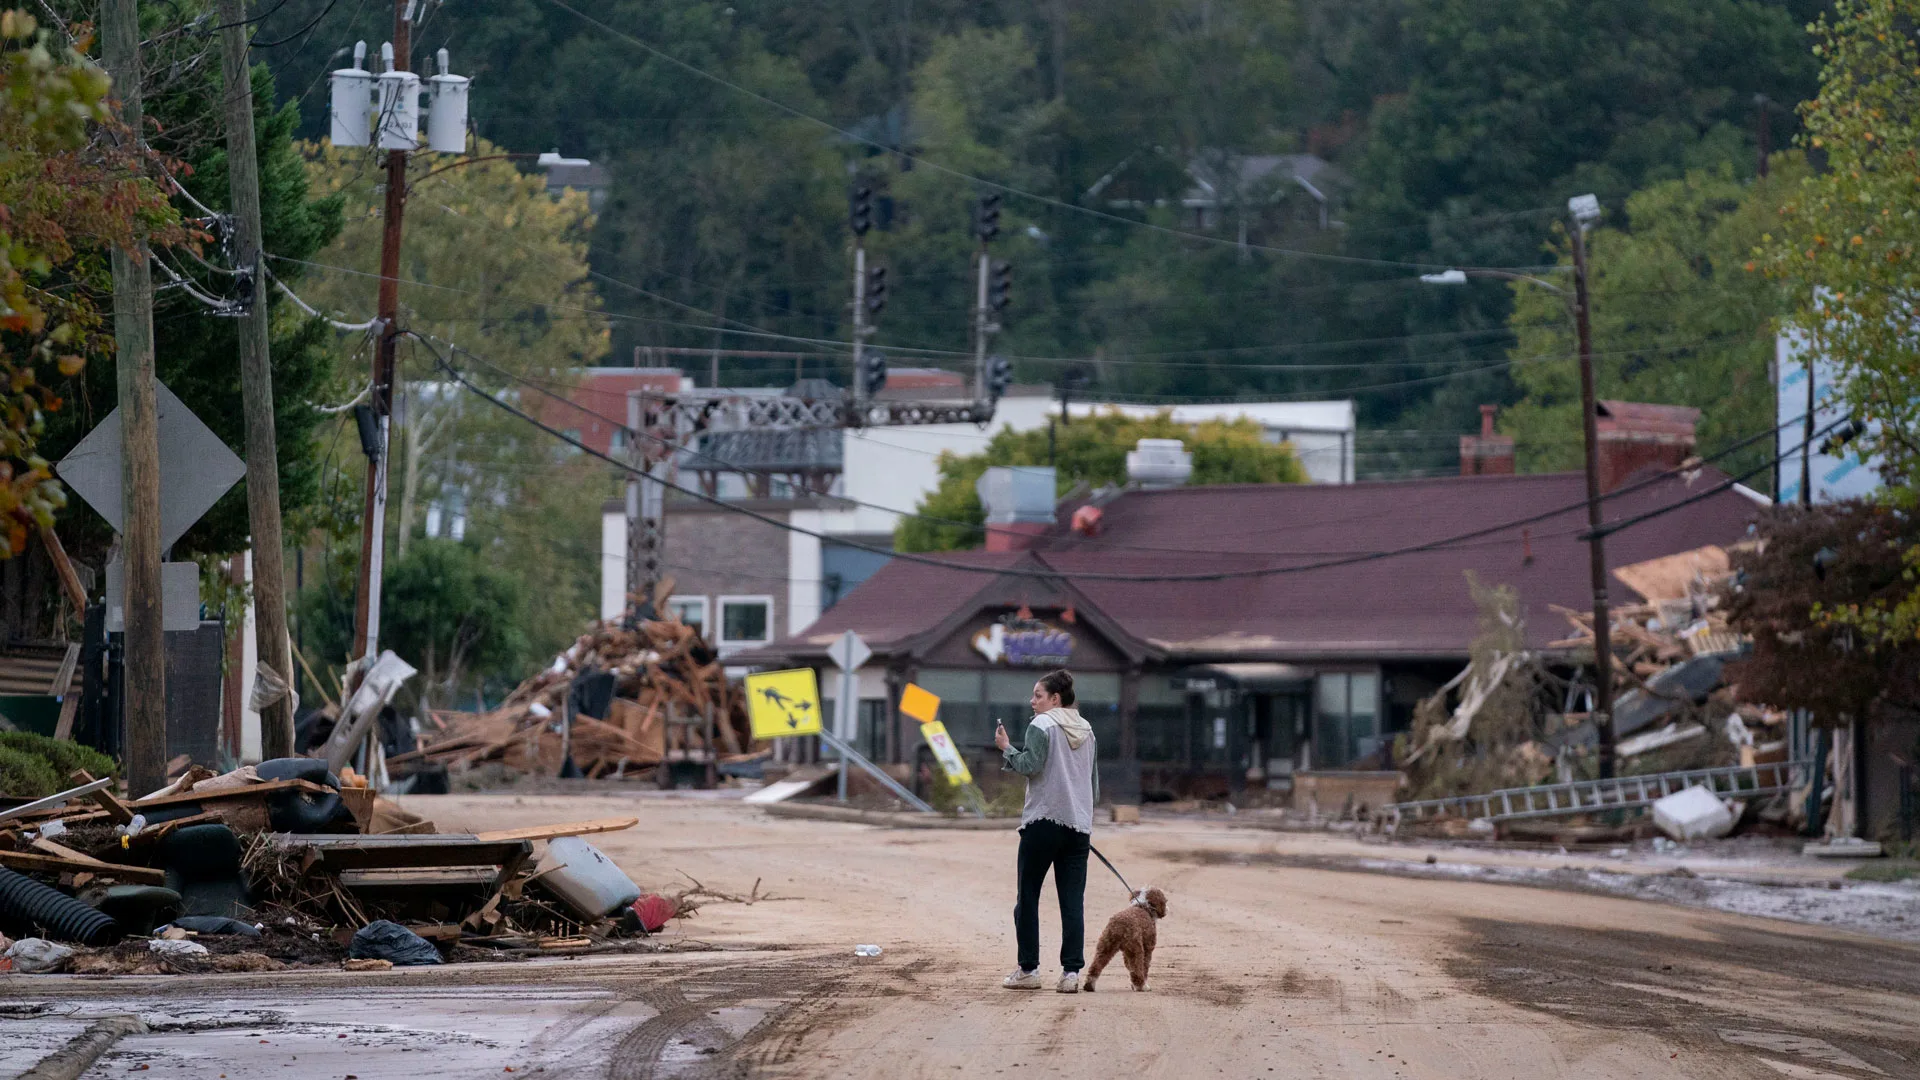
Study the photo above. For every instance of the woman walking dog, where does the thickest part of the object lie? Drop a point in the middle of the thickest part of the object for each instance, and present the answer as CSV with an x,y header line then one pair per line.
x,y
1056,826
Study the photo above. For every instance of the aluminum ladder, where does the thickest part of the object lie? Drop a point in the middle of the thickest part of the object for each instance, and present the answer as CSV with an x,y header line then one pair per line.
x,y
1620,793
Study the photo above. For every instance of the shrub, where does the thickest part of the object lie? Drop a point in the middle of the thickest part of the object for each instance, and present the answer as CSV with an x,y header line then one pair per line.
x,y
26,775
65,758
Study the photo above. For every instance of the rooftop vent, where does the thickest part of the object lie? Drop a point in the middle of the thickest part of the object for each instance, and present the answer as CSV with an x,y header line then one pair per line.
x,y
1159,463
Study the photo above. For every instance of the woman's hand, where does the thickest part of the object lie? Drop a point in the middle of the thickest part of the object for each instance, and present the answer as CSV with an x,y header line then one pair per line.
x,y
1000,737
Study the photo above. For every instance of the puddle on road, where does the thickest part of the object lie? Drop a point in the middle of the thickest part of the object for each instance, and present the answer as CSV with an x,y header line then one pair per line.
x,y
370,1032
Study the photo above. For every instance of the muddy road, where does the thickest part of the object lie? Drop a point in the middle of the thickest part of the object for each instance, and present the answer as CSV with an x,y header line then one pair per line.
x,y
1265,969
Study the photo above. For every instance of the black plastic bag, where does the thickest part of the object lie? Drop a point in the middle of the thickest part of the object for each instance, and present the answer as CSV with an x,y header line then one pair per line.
x,y
383,940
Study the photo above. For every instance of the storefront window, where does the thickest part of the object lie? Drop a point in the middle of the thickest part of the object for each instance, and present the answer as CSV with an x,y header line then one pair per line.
x,y
1009,696
1097,696
1346,728
1160,721
962,708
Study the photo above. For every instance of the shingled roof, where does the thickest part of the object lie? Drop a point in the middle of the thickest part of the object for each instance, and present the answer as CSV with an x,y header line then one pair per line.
x,y
1414,605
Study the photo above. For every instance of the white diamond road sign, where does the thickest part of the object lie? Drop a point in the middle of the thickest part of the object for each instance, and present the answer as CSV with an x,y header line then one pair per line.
x,y
196,468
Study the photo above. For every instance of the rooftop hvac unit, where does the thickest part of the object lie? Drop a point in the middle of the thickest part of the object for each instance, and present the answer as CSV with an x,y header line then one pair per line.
x,y
353,101
1159,463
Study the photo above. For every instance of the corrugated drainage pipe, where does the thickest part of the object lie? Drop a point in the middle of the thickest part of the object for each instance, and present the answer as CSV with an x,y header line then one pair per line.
x,y
63,917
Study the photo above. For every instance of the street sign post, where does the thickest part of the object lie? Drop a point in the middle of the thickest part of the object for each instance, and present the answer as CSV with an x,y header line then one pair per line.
x,y
847,654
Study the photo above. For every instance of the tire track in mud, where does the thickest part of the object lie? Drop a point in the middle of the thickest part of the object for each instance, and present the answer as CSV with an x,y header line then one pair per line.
x,y
807,991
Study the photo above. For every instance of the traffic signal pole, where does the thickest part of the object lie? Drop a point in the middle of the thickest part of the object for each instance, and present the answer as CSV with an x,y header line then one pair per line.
x,y
980,325
859,320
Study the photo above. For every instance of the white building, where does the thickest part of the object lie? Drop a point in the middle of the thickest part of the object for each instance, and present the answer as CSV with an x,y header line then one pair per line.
x,y
885,473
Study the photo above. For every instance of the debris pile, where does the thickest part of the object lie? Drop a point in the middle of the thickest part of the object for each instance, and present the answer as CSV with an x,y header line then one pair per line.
x,y
285,863
1516,717
618,703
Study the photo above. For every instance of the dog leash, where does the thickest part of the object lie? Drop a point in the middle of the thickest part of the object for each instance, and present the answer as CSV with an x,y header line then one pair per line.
x,y
1110,866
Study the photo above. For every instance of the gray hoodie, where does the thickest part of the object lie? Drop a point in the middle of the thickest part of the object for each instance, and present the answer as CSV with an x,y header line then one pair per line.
x,y
1060,762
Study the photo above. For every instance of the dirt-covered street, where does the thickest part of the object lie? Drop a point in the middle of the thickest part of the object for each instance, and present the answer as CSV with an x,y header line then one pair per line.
x,y
1272,963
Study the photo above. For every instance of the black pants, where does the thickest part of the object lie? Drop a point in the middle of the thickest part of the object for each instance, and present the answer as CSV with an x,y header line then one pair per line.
x,y
1045,844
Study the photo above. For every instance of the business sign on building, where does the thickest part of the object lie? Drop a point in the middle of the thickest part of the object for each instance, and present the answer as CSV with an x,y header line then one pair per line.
x,y
1018,642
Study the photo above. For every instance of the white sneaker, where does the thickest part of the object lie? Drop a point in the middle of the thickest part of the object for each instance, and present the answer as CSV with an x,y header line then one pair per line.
x,y
1022,980
1069,983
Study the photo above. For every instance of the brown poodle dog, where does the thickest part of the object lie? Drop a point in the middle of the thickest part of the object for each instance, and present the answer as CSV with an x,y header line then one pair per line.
x,y
1132,933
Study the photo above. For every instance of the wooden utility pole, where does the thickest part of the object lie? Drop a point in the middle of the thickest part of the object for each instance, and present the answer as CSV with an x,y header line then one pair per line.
x,y
373,518
146,665
256,380
1596,546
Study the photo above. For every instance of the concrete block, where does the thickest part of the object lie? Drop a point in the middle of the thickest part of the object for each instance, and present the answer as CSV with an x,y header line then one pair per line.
x,y
1126,815
1693,814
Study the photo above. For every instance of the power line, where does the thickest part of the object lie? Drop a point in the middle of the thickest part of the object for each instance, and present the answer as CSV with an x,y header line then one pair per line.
x,y
1049,575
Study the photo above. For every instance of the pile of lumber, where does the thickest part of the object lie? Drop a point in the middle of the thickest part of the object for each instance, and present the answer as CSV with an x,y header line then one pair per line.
x,y
1669,652
671,702
1517,716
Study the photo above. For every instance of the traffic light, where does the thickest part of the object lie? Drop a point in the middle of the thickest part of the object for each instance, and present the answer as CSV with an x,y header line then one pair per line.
x,y
860,207
986,217
876,291
873,371
1000,286
999,377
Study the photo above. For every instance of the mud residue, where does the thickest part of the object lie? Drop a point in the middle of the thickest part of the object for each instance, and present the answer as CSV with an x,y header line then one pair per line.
x,y
1673,985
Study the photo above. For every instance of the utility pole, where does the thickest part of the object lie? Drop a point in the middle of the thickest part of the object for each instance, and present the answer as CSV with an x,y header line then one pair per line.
x,y
1585,210
373,517
1762,131
1806,436
256,381
145,669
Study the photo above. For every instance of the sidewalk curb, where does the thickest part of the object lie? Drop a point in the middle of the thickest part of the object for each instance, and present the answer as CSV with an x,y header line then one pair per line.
x,y
886,819
79,1055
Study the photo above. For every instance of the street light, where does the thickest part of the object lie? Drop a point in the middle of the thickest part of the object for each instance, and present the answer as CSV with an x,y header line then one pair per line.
x,y
1585,211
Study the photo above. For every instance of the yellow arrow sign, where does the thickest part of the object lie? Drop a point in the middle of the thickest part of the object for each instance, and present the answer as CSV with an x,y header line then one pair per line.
x,y
782,703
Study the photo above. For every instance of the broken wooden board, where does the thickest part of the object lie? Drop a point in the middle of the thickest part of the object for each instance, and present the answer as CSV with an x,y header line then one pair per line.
x,y
219,794
105,799
54,864
1673,577
551,832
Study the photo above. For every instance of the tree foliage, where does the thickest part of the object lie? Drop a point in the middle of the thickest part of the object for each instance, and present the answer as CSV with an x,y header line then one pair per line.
x,y
494,274
61,202
1846,242
1801,595
1679,318
1461,128
1091,451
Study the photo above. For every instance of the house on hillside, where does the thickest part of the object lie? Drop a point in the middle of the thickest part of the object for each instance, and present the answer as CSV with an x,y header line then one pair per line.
x,y
1304,631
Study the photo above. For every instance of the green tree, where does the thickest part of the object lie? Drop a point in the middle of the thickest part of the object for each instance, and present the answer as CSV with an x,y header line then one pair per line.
x,y
1846,250
1680,317
1091,451
491,266
494,273
196,349
458,616
61,204
1846,241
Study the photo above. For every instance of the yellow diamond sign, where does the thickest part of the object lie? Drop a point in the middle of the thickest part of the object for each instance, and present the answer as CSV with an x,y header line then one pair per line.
x,y
782,703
